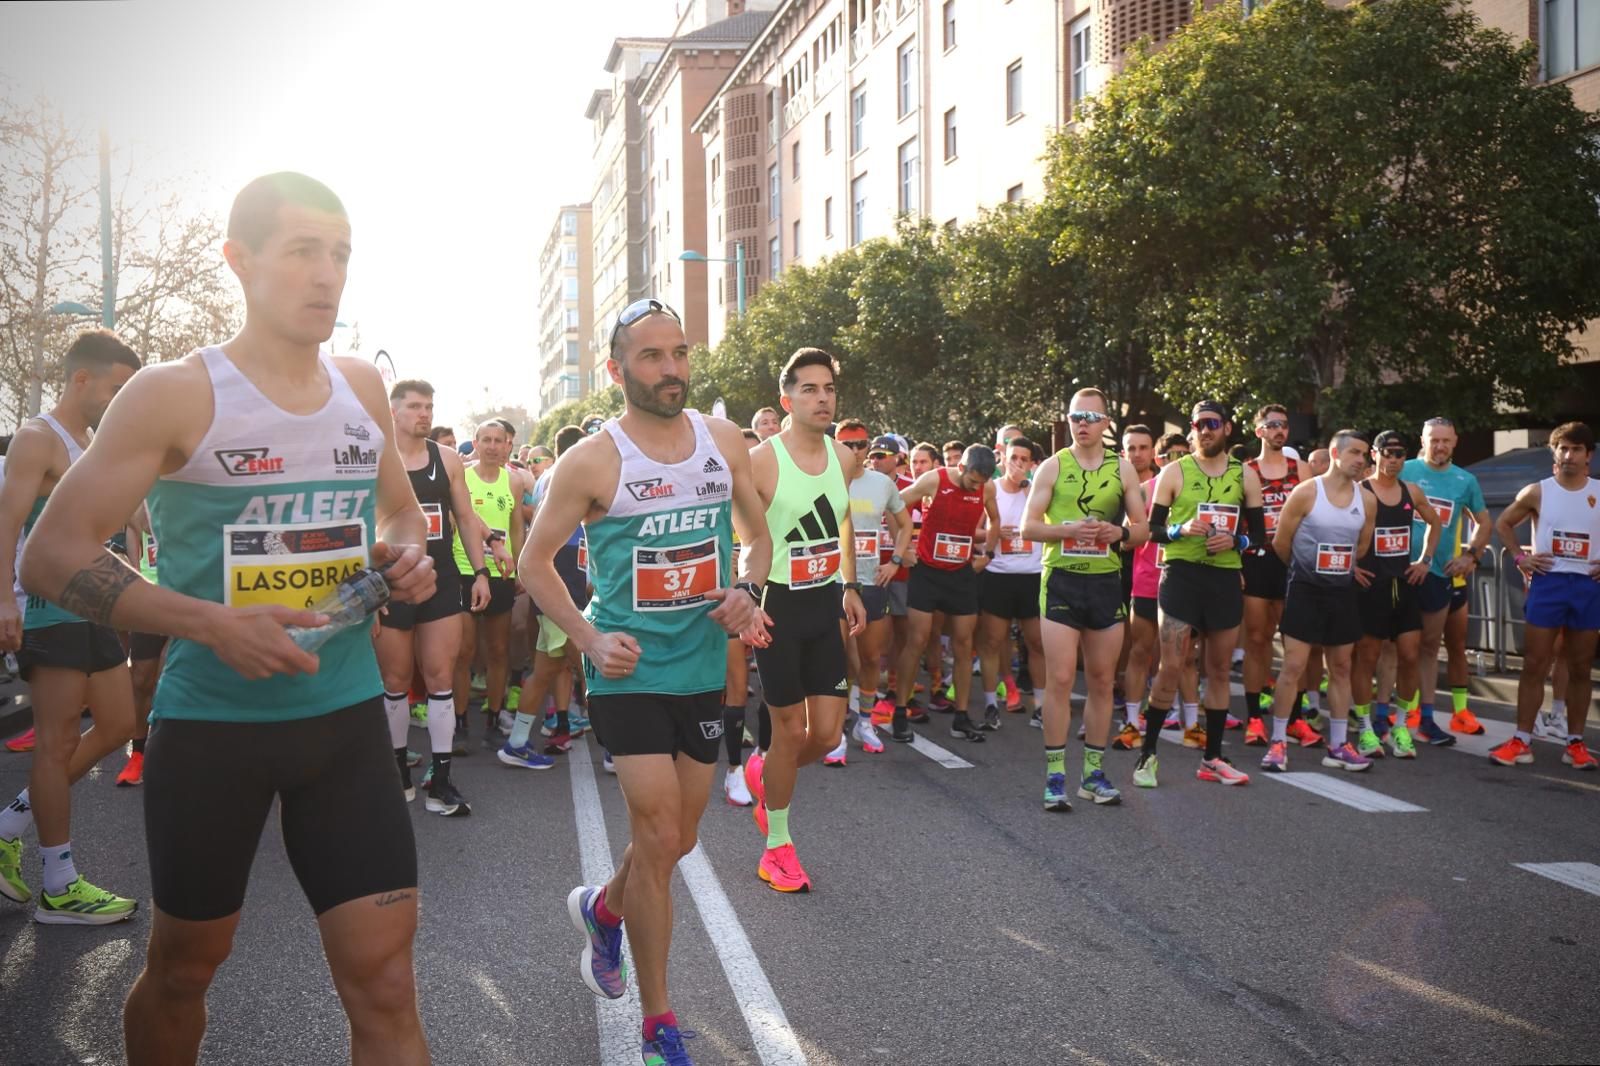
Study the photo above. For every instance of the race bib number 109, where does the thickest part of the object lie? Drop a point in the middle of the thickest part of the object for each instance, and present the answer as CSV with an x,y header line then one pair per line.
x,y
289,565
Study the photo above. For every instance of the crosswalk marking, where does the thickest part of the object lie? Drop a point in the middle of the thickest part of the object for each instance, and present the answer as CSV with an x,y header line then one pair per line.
x,y
1346,792
1584,876
923,746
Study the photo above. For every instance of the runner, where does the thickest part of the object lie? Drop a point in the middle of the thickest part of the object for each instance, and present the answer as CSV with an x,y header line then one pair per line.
x,y
1196,513
1009,589
1389,580
145,653
1143,566
1453,493
1078,496
1325,526
426,637
270,469
953,451
799,475
885,455
69,663
766,423
654,490
1563,573
944,576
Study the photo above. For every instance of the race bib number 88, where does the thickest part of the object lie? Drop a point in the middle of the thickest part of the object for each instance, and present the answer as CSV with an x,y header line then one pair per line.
x,y
1335,560
289,565
672,579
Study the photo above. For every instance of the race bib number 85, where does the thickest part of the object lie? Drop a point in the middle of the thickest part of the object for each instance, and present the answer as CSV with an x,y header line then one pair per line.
x,y
949,548
672,579
289,565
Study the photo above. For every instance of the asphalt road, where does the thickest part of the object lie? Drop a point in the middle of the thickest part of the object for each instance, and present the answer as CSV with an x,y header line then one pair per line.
x,y
953,921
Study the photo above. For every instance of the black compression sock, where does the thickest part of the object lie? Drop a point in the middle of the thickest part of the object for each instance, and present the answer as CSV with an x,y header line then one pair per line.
x,y
441,767
563,723
1153,717
1216,722
1252,704
733,733
1297,712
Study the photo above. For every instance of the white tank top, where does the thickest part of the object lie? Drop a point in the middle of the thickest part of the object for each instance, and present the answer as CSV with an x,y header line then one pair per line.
x,y
1325,544
74,453
1013,555
1568,525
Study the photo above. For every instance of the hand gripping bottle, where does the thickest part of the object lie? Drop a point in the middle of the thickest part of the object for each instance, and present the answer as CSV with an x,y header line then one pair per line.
x,y
350,603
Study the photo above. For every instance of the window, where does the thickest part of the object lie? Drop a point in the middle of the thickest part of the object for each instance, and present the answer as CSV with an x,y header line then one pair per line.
x,y
572,257
1014,194
827,133
858,208
794,161
570,386
827,217
773,193
858,120
569,289
716,178
910,171
774,257
794,240
950,134
569,223
1078,83
1014,90
772,116
572,353
1571,36
949,24
906,66
572,318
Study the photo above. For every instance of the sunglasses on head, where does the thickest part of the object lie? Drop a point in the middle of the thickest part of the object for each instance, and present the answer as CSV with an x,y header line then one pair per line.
x,y
1207,424
637,310
1275,423
1086,418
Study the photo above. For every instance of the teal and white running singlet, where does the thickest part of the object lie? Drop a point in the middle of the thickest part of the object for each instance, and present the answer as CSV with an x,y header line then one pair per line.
x,y
665,541
40,611
271,508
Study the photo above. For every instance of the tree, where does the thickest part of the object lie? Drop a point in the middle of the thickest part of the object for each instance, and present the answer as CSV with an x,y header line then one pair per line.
x,y
606,403
516,414
1311,202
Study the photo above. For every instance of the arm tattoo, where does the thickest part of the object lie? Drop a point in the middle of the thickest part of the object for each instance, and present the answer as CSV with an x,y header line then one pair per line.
x,y
93,592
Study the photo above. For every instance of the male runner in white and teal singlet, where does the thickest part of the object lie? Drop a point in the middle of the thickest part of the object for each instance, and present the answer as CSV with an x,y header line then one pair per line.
x,y
655,490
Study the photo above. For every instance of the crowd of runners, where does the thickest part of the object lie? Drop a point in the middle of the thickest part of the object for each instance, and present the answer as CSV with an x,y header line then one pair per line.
x,y
174,531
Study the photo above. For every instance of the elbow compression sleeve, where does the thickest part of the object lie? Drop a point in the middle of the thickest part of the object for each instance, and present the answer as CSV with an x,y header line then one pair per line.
x,y
1158,523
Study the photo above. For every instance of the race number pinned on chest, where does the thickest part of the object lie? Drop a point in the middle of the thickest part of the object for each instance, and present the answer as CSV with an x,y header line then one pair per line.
x,y
1446,509
1335,560
1015,545
1270,513
1222,517
1391,542
866,544
951,548
150,552
811,565
1570,544
583,554
434,513
289,565
672,579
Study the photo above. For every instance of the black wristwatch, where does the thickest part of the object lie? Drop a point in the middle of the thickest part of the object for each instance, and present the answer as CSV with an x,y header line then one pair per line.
x,y
482,571
853,586
752,588
897,559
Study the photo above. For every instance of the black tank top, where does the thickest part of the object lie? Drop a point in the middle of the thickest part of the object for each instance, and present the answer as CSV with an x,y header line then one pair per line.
x,y
432,486
1390,553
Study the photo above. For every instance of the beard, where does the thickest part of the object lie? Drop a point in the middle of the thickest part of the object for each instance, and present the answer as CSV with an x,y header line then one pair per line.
x,y
1214,450
648,398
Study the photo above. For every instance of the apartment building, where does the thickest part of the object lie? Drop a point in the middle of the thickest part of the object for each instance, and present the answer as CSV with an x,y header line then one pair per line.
x,y
566,309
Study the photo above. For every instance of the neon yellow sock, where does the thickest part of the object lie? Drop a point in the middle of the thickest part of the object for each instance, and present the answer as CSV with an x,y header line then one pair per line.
x,y
1091,759
1361,711
1411,702
1055,760
1458,699
778,828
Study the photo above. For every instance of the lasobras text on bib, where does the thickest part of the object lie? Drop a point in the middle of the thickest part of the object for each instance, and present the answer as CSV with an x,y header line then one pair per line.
x,y
289,565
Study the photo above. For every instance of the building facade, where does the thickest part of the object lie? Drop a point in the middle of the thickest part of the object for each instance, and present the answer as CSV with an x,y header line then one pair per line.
x,y
566,309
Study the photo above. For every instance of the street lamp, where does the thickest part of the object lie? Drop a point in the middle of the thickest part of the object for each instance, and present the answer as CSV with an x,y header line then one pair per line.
x,y
738,270
73,307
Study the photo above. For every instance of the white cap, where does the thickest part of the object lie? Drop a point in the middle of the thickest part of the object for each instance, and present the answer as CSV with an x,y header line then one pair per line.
x,y
1290,453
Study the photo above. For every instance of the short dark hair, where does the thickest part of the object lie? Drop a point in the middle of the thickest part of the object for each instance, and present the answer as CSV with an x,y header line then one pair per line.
x,y
416,385
851,424
492,423
1022,442
1336,442
438,433
505,424
1270,409
979,459
567,436
97,350
1140,427
1173,440
255,210
1573,433
933,453
959,446
805,357
750,434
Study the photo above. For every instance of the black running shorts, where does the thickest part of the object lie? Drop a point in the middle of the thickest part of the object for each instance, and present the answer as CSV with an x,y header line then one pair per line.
x,y
143,647
1145,607
1436,593
875,598
642,723
444,603
1326,615
806,656
502,594
1207,598
82,647
1389,608
210,786
1265,576
1011,596
1083,601
955,592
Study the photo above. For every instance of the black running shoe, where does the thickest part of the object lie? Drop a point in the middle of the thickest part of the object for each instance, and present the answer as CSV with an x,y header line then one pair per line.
x,y
445,800
962,728
901,729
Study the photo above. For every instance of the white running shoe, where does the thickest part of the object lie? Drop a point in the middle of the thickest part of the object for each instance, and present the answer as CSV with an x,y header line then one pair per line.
x,y
867,736
508,721
837,756
1548,726
734,788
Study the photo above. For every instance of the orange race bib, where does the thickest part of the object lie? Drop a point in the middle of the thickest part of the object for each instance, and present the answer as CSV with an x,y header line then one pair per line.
x,y
1446,509
1015,546
583,554
1223,517
1392,541
435,516
1082,548
672,579
1565,544
1335,560
866,544
150,552
811,565
950,548
1271,515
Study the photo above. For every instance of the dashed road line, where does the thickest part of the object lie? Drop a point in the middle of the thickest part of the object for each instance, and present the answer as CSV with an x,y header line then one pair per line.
x,y
923,746
1369,801
1584,876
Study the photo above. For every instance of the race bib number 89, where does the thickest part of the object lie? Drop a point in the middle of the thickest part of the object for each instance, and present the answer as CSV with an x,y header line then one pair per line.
x,y
289,565
672,579
1222,517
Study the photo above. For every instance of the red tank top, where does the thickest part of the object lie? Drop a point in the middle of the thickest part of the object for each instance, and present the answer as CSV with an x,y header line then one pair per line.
x,y
886,552
948,525
1275,491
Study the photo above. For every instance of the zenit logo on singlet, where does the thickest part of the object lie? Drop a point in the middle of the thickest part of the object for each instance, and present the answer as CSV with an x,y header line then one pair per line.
x,y
650,489
249,462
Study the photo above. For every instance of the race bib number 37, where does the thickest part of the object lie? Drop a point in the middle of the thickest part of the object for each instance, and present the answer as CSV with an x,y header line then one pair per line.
x,y
672,579
289,565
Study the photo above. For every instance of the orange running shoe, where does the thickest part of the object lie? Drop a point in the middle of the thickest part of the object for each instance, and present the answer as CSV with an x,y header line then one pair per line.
x,y
1301,732
133,772
1579,757
1256,732
1414,718
1511,753
781,870
1129,739
21,742
1464,721
1194,736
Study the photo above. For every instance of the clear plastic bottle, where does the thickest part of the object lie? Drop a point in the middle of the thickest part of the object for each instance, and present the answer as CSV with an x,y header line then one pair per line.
x,y
350,603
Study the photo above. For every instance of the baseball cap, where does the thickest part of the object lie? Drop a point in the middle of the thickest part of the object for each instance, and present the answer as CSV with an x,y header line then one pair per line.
x,y
1216,407
1388,437
885,445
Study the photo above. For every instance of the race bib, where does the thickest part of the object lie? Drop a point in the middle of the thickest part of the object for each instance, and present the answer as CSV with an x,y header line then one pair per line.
x,y
150,552
1271,515
1392,541
811,565
1015,546
672,579
1335,560
866,544
289,565
1446,509
1565,544
435,516
1085,548
1223,517
583,554
950,548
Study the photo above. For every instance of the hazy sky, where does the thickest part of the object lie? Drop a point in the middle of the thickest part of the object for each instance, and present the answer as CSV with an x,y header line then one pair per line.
x,y
452,131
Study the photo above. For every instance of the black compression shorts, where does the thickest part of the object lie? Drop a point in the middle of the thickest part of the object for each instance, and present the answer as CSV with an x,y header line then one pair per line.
x,y
642,723
806,656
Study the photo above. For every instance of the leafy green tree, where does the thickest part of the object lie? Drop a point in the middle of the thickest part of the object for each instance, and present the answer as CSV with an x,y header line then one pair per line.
x,y
606,404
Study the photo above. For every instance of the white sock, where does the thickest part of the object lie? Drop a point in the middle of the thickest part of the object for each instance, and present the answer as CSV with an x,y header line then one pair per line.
x,y
59,872
1280,729
991,699
1337,732
399,714
1558,710
1191,715
16,817
1130,712
1314,701
441,721
1038,698
855,697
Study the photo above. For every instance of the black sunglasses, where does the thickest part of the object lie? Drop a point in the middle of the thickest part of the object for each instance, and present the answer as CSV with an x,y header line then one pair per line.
x,y
637,310
855,445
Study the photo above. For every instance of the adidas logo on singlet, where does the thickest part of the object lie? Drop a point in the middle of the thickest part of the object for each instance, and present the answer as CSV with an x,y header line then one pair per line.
x,y
817,524
712,466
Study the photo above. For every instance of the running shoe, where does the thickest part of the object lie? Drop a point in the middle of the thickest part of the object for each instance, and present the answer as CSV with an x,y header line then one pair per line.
x,y
21,742
1194,736
559,744
1345,757
1233,723
506,721
577,722
1055,793
458,743
1173,720
1429,730
943,701
900,730
882,711
1579,757
837,756
413,758
606,762
419,716
1315,720
445,801
961,728
601,965
427,779
132,771
1255,734
1036,719
83,904
1276,760
866,735
734,790
1013,696
1414,718
1400,744
1302,733
917,713
1368,744
1551,726
1096,787
12,886
548,726
1221,771
759,813
991,720
480,682
1144,771
1128,739
1465,722
752,778
666,1047
524,757
781,870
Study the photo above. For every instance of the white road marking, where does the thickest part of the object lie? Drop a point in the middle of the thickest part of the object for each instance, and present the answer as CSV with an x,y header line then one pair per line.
x,y
1012,934
923,746
1584,876
1568,781
775,1042
1444,998
619,1020
1346,792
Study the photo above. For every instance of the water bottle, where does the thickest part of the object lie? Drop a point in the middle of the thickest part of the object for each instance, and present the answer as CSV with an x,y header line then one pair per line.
x,y
350,603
